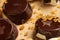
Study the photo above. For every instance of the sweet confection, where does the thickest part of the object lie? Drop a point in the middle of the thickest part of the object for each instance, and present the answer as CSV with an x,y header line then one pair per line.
x,y
18,11
48,28
7,30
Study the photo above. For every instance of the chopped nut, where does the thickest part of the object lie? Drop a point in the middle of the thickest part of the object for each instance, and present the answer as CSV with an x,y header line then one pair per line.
x,y
59,20
22,27
31,28
33,6
35,12
44,18
26,34
49,17
55,20
39,16
39,8
53,12
58,6
31,19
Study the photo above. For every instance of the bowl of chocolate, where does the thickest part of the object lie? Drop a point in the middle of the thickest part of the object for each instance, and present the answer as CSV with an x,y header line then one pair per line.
x,y
46,30
7,30
18,11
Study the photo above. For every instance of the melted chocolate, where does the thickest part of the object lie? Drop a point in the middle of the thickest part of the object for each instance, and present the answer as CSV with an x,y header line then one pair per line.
x,y
7,30
48,28
18,11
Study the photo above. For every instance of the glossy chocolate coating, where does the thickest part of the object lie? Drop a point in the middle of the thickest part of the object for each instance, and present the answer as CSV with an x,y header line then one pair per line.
x,y
14,34
48,28
7,30
18,11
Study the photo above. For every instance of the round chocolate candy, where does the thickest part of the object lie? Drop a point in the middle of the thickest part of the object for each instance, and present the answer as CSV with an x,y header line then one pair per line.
x,y
18,11
7,30
47,29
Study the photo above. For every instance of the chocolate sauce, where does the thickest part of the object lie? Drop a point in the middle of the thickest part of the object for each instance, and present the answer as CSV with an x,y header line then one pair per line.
x,y
48,28
18,11
7,30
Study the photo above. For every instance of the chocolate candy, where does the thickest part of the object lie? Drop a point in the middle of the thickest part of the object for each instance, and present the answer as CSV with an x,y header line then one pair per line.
x,y
18,11
7,30
49,28
47,1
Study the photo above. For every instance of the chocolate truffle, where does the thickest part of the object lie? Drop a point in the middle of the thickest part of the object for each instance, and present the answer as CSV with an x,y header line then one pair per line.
x,y
18,11
48,29
7,30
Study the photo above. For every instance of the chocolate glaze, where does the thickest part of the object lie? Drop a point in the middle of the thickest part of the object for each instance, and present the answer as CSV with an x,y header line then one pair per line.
x,y
18,11
48,28
7,30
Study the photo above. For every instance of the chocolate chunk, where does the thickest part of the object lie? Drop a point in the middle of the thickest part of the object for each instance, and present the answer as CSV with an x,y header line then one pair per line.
x,y
18,11
7,30
48,28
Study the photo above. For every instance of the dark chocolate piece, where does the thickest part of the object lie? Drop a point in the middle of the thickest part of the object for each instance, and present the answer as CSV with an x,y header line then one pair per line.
x,y
18,11
48,28
14,33
7,30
